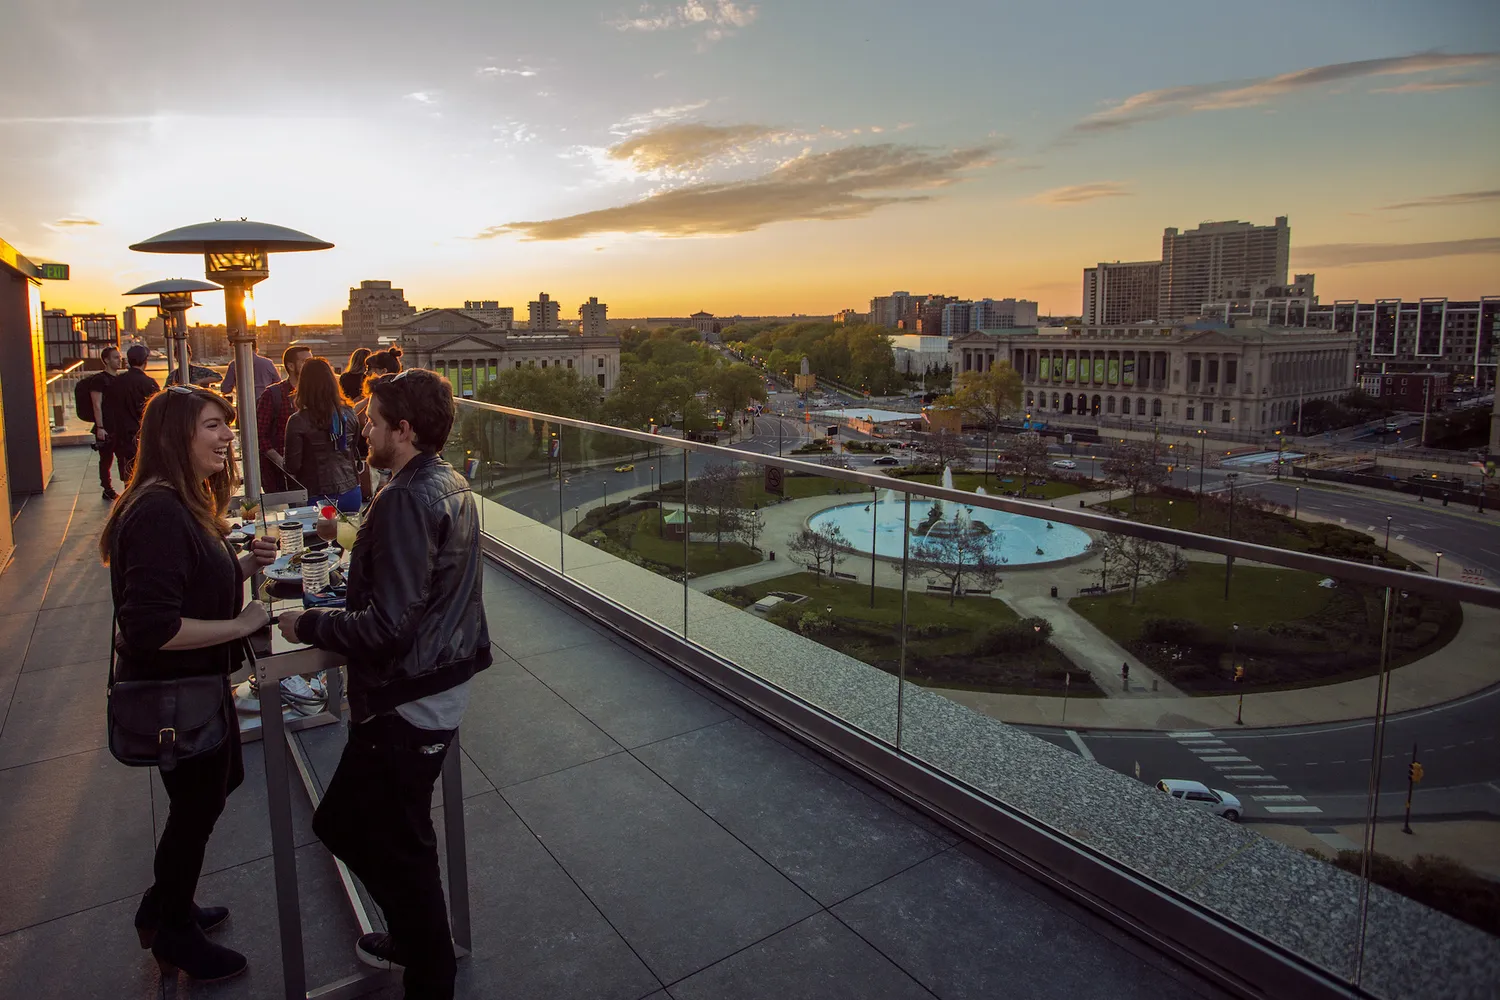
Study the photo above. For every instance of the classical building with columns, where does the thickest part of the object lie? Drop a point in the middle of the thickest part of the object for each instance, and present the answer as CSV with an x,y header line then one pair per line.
x,y
472,354
1241,378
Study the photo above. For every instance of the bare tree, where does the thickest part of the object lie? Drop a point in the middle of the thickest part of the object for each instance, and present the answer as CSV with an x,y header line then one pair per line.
x,y
1027,455
819,549
1134,465
719,493
945,448
960,556
751,524
1135,559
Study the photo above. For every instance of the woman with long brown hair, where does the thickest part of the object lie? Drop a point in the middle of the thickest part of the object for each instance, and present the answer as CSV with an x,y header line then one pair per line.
x,y
352,378
178,589
321,438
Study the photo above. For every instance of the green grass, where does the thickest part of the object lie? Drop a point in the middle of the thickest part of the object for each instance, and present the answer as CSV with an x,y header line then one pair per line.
x,y
643,531
1167,512
1259,596
969,481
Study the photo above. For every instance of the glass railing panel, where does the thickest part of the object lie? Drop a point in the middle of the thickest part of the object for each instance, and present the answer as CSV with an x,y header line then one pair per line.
x,y
514,473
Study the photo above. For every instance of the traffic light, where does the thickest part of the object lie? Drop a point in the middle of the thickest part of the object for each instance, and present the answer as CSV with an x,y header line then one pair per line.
x,y
1414,772
1239,673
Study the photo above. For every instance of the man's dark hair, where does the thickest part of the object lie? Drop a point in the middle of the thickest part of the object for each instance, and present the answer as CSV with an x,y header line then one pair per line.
x,y
423,399
107,350
138,355
291,352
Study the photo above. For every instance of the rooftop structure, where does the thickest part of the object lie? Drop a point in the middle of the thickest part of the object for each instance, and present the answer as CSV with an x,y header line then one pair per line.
x,y
371,304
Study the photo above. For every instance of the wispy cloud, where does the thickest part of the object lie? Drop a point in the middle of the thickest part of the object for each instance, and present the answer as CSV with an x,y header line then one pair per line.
x,y
1345,254
81,119
717,18
1153,105
1446,200
688,145
73,221
842,184
1075,194
1435,86
428,97
654,118
494,72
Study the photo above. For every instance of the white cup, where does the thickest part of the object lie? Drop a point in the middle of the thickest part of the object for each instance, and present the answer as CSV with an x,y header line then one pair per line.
x,y
290,537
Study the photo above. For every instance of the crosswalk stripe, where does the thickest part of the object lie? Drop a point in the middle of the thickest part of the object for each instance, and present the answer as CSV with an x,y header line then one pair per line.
x,y
1278,810
1197,742
1278,798
1210,749
1220,760
1237,767
1185,735
1263,788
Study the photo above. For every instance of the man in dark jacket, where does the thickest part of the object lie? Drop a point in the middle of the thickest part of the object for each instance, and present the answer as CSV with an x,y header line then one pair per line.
x,y
414,633
124,402
96,385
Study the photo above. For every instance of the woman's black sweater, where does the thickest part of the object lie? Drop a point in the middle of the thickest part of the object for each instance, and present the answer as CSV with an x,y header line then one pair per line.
x,y
163,567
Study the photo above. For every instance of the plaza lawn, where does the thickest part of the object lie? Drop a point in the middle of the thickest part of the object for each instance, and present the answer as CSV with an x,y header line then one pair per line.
x,y
753,491
999,484
1292,632
978,643
641,533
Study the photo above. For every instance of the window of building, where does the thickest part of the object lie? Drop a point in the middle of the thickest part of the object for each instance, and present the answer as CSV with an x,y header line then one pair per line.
x,y
570,362
1213,370
1156,407
600,363
1109,405
1231,370
518,364
1192,413
1224,417
1195,370
544,362
601,380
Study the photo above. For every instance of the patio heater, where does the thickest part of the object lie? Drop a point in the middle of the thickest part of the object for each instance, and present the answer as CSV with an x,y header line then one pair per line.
x,y
174,297
236,254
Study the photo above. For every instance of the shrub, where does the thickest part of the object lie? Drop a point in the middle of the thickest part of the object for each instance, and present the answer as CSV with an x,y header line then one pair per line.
x,y
814,624
1168,631
1018,637
786,615
1439,882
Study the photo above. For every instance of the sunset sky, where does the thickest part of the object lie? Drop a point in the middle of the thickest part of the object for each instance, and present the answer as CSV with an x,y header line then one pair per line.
x,y
749,158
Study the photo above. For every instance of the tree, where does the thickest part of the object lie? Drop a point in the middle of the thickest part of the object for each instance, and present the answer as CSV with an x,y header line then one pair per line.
x,y
751,524
957,554
1137,559
986,398
719,492
944,448
1134,465
559,391
819,549
733,387
1026,453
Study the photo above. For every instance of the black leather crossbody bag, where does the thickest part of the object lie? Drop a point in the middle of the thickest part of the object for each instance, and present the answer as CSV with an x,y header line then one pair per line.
x,y
160,723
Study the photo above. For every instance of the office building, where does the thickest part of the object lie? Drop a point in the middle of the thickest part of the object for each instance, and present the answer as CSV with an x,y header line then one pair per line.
x,y
1420,392
956,319
1002,314
491,313
68,338
1461,338
543,314
370,304
127,325
1118,294
592,321
1213,261
919,355
1243,377
890,310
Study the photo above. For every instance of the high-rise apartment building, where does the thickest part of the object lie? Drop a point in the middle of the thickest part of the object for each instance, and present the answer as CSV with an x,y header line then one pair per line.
x,y
1115,294
490,312
925,317
128,325
368,305
890,310
1001,314
956,319
1210,263
543,314
591,318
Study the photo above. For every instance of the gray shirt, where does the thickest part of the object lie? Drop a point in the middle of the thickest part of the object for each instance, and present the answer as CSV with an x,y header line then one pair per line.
x,y
444,710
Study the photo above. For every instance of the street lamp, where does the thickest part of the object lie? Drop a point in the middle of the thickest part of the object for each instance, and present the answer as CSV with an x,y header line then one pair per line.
x,y
1388,532
1296,501
236,254
1437,570
1202,458
174,297
1239,673
1280,442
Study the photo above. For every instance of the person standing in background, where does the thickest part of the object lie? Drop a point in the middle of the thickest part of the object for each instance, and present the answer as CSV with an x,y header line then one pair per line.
x,y
387,362
352,379
320,435
123,403
96,385
273,408
265,374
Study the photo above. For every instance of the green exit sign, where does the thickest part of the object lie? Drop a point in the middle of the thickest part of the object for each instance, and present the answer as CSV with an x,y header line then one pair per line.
x,y
55,272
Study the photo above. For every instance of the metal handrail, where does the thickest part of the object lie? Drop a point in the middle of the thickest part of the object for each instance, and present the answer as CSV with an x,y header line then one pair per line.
x,y
1340,569
65,372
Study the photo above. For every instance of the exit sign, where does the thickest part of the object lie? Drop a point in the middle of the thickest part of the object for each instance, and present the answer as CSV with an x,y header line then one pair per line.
x,y
55,272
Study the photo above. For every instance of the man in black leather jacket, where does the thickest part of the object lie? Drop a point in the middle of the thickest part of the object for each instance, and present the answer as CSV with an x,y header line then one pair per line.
x,y
415,634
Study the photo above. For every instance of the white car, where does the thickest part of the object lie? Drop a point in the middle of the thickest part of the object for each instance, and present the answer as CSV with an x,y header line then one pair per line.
x,y
1199,794
1065,463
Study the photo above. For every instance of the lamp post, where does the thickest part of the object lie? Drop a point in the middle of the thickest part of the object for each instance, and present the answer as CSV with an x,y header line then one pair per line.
x,y
1280,442
236,255
1296,501
1230,478
1437,569
1388,532
1239,673
1202,457
174,297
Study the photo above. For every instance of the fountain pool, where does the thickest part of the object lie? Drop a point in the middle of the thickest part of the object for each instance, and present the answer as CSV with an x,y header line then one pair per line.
x,y
1012,539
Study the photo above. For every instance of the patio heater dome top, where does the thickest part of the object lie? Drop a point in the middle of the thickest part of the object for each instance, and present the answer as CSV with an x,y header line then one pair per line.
x,y
171,285
235,234
155,303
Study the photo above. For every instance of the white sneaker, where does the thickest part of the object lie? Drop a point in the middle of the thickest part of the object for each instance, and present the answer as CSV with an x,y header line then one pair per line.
x,y
296,692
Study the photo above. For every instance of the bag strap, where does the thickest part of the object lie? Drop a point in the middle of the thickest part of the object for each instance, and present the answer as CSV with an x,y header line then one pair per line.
x,y
166,733
114,618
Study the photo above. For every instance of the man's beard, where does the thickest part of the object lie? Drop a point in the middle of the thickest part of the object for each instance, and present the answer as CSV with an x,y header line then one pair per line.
x,y
382,459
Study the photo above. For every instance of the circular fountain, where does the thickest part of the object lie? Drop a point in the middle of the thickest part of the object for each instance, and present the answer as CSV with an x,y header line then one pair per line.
x,y
1012,539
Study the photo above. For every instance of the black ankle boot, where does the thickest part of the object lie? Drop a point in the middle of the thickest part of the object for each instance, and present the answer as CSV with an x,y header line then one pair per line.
x,y
183,946
148,918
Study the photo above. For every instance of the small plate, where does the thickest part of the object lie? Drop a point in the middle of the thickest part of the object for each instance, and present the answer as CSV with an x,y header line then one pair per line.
x,y
283,570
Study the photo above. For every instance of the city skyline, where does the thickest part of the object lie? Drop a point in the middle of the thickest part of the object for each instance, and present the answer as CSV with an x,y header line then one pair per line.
x,y
760,159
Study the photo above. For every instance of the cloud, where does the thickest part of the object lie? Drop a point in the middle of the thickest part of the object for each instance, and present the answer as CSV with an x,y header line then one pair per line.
x,y
1445,200
74,221
841,184
1152,105
717,18
1346,254
651,119
423,96
1075,194
686,146
1433,86
82,120
492,72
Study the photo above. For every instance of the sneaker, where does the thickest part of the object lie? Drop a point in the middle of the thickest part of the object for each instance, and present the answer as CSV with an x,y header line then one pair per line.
x,y
110,494
296,692
247,696
378,951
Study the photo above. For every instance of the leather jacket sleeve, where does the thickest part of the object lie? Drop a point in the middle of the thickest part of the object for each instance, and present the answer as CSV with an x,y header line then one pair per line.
x,y
403,542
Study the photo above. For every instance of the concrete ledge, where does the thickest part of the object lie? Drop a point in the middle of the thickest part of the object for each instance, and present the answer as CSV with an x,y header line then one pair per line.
x,y
1267,889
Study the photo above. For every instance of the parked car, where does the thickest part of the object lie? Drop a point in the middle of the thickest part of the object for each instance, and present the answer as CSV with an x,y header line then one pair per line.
x,y
1065,463
627,467
1199,794
887,460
